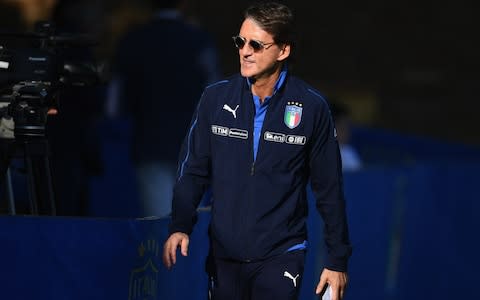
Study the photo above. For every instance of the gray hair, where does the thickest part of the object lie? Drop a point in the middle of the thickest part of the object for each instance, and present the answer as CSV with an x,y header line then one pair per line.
x,y
275,18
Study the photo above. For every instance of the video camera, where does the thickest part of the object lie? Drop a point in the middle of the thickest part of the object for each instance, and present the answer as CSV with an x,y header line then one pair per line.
x,y
33,75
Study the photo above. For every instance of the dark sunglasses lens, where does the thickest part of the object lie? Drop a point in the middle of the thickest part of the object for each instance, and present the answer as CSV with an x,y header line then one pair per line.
x,y
239,42
256,46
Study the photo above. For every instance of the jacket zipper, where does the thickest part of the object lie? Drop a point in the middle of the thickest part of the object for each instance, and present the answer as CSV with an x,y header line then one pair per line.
x,y
252,123
252,168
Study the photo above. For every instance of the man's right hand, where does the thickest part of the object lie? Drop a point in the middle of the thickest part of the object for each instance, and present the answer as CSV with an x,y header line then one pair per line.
x,y
175,240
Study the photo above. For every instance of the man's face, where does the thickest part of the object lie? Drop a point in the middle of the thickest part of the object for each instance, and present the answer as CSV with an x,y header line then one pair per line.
x,y
261,63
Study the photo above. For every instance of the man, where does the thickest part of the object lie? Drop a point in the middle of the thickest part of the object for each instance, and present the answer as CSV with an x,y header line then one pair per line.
x,y
351,160
256,139
159,71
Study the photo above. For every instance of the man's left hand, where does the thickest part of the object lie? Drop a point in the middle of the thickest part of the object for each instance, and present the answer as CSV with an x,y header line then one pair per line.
x,y
336,280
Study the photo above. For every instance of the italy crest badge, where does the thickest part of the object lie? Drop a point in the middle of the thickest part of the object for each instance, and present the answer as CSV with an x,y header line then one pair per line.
x,y
293,114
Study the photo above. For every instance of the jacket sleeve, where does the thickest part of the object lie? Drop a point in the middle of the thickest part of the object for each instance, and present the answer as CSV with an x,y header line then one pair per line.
x,y
193,173
327,186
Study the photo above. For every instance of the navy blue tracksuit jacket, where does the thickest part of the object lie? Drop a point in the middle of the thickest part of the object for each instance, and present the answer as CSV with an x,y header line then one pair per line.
x,y
259,198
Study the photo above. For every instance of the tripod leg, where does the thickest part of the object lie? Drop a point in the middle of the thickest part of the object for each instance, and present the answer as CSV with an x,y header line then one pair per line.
x,y
32,197
7,149
39,176
51,195
9,192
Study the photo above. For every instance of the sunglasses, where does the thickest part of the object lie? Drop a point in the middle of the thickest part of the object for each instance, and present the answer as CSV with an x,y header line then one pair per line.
x,y
256,45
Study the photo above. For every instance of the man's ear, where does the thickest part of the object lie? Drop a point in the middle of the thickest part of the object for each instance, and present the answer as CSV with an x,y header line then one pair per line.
x,y
284,52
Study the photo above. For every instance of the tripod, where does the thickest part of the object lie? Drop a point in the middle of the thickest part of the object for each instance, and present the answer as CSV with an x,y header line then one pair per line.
x,y
35,153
